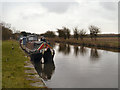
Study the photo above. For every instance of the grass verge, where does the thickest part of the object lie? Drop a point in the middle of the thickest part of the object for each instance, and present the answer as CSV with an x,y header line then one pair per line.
x,y
13,70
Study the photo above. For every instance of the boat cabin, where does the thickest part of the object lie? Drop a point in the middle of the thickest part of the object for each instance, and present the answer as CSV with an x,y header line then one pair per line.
x,y
31,38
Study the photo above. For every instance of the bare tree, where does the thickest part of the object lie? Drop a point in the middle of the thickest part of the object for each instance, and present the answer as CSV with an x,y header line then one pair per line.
x,y
64,32
50,34
76,33
94,31
82,34
60,33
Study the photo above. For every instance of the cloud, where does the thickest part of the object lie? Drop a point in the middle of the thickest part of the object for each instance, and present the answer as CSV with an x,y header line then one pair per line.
x,y
38,17
110,10
58,7
109,5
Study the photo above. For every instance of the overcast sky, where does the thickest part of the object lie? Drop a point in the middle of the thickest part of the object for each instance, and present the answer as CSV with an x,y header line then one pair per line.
x,y
38,17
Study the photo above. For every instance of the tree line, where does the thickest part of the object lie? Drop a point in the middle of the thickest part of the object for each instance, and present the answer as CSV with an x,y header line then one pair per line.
x,y
77,33
7,31
10,33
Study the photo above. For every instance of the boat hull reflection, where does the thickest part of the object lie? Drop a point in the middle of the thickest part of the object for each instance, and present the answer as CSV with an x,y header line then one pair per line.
x,y
46,70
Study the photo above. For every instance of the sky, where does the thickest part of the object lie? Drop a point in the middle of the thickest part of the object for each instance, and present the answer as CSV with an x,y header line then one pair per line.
x,y
38,16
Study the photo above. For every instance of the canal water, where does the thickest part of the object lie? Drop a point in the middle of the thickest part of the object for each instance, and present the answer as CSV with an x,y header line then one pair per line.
x,y
80,67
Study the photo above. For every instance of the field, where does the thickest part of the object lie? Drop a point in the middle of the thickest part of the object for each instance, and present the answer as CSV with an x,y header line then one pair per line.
x,y
13,70
101,42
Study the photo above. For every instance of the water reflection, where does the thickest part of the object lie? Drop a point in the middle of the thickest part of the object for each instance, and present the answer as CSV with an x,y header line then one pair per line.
x,y
94,55
89,69
64,48
76,50
46,70
83,50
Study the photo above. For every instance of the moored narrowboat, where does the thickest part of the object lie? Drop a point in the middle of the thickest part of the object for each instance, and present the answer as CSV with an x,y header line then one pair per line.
x,y
38,50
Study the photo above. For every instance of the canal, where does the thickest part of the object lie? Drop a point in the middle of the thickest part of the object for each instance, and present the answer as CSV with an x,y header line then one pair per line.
x,y
80,67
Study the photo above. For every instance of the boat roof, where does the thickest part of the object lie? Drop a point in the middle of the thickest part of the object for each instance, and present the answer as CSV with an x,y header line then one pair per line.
x,y
32,36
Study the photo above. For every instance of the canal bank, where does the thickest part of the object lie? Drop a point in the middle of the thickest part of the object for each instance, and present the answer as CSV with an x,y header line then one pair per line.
x,y
16,69
108,43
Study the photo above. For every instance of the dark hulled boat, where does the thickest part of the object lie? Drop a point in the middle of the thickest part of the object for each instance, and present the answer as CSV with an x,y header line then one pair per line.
x,y
37,50
44,51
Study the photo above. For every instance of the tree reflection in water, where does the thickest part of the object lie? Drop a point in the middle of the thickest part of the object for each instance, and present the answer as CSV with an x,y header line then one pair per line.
x,y
45,70
94,55
76,50
83,50
64,48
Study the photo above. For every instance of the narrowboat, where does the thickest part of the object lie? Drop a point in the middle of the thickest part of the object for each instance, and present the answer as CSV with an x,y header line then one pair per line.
x,y
37,49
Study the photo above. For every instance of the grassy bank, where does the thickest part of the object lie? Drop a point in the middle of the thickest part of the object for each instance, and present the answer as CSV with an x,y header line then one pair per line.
x,y
13,70
102,43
